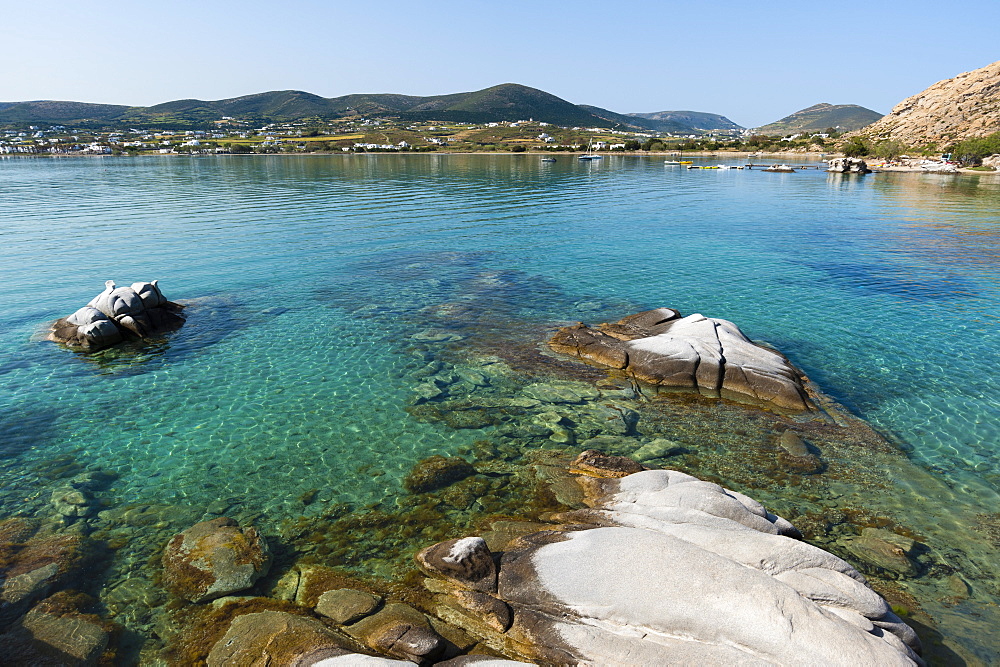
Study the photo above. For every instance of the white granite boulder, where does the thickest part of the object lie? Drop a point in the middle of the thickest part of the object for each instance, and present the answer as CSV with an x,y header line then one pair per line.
x,y
666,569
848,165
117,313
708,355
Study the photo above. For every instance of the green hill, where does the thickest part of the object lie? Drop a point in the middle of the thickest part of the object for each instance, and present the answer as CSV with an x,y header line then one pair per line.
x,y
819,117
694,120
508,101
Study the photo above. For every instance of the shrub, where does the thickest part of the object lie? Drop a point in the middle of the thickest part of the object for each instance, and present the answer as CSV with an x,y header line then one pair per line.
x,y
856,147
972,151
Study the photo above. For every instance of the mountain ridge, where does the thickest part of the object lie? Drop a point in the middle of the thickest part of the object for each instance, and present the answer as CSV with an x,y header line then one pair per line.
x,y
503,102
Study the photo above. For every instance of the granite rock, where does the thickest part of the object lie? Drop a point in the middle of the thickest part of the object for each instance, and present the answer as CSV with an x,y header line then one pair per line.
x,y
967,105
466,561
436,472
117,313
275,638
344,606
848,165
710,356
214,558
668,569
398,631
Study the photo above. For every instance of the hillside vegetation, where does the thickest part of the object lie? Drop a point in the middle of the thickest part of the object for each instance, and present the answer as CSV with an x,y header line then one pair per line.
x,y
505,102
819,117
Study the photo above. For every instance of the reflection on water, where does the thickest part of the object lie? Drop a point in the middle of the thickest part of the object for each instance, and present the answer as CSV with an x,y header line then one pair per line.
x,y
351,315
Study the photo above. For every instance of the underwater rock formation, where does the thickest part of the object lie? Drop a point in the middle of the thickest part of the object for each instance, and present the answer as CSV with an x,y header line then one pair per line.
x,y
711,356
668,569
118,313
214,558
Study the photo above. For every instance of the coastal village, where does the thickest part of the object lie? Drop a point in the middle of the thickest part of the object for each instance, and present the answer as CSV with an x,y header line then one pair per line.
x,y
230,136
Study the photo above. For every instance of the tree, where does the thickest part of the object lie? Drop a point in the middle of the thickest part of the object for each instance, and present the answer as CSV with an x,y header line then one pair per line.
x,y
518,148
889,149
631,145
856,147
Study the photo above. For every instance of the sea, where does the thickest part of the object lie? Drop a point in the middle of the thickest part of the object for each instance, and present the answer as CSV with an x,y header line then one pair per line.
x,y
336,303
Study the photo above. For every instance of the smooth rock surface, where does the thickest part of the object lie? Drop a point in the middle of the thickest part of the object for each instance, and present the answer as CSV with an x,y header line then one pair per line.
x,y
76,638
667,569
711,356
117,313
398,631
275,638
848,165
214,558
347,605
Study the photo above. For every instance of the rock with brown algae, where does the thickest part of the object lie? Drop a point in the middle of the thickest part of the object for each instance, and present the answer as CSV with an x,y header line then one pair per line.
x,y
116,314
708,355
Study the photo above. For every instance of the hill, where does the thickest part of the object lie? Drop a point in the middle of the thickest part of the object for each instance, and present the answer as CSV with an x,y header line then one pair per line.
x,y
819,117
508,101
704,122
962,107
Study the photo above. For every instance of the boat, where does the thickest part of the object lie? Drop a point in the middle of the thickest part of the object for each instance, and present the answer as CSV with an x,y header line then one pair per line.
x,y
685,162
671,162
548,159
589,155
693,166
711,167
784,168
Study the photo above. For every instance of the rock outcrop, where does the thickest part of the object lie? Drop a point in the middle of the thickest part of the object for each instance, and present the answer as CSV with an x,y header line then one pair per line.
x,y
848,165
214,558
116,314
965,106
711,356
667,569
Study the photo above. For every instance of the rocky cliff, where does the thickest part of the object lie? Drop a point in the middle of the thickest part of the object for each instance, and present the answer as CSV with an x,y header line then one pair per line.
x,y
951,110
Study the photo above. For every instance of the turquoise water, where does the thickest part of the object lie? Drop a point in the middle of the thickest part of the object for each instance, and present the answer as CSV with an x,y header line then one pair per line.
x,y
310,276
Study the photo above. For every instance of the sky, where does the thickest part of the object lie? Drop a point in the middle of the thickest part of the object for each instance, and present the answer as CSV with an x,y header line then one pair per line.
x,y
753,62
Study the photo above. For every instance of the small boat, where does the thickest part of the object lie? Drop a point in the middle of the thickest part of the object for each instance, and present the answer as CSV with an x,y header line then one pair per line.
x,y
685,162
548,159
671,162
710,167
784,168
588,155
693,166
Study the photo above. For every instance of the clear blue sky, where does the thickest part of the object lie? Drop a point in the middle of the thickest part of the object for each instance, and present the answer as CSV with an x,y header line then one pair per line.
x,y
753,61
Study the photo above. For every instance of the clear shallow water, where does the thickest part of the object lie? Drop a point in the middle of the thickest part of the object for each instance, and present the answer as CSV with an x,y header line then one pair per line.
x,y
309,276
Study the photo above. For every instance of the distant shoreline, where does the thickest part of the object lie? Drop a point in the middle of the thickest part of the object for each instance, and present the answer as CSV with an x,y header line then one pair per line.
x,y
766,157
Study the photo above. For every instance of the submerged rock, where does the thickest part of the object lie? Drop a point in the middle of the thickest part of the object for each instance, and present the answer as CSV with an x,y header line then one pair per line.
x,y
117,313
437,472
275,638
885,550
32,566
214,558
711,356
731,585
